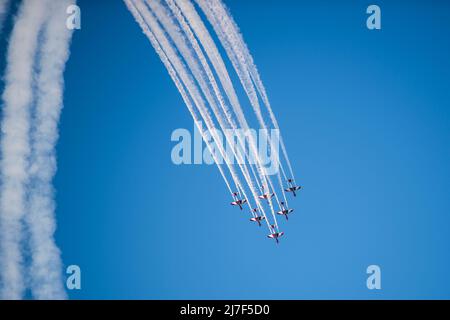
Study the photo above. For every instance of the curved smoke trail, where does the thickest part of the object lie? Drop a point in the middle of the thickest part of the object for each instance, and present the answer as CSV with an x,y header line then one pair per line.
x,y
202,74
192,59
199,73
174,66
186,13
234,44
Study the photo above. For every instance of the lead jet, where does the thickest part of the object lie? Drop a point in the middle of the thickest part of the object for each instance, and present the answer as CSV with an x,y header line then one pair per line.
x,y
275,235
237,201
292,188
266,196
284,210
257,218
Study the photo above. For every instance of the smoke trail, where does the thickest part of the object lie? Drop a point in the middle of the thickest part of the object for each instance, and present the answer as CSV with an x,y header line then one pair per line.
x,y
202,79
176,67
183,23
224,108
173,74
218,65
15,145
3,9
186,13
46,265
231,39
188,81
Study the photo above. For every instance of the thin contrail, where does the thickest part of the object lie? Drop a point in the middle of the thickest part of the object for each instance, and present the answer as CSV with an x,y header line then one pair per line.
x,y
15,144
176,70
46,264
154,32
188,82
191,22
149,15
200,72
237,50
190,36
212,51
188,14
137,15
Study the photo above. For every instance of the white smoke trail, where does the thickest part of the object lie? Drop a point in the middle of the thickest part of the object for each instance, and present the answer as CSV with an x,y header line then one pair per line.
x,y
175,67
195,22
211,50
189,83
151,28
202,74
238,53
237,50
46,265
184,10
169,25
177,12
177,82
15,145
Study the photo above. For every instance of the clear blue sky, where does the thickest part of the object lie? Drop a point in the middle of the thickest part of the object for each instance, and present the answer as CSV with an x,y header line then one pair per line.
x,y
366,119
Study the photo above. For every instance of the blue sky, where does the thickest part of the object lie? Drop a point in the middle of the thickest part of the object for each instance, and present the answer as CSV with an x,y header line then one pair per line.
x,y
366,119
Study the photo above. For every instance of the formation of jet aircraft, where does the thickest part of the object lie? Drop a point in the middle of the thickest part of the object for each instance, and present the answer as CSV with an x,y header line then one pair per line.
x,y
284,210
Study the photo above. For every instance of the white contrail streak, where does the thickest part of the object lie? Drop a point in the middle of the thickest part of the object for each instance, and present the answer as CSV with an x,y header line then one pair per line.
x,y
177,82
184,10
188,82
181,29
136,10
186,14
46,265
202,77
199,74
15,144
237,50
169,57
190,36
